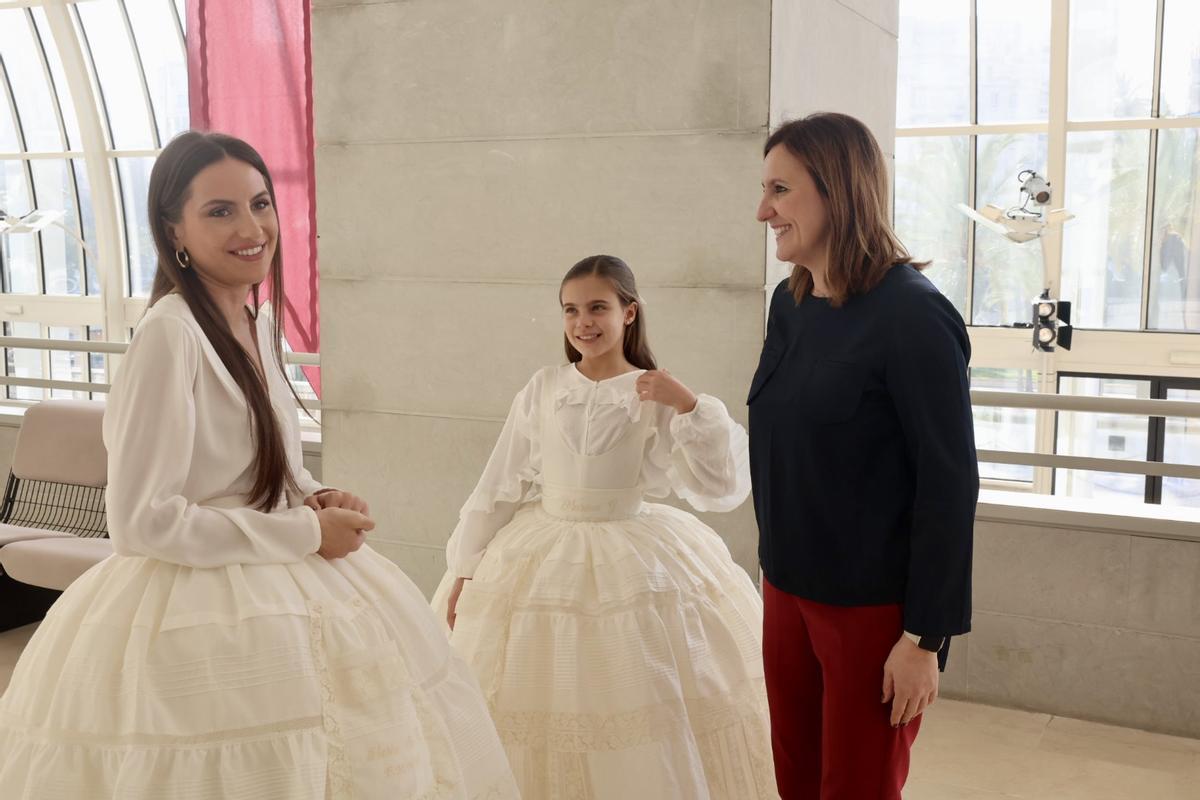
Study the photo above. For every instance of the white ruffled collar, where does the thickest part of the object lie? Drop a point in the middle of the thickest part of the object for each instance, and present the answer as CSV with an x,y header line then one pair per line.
x,y
575,388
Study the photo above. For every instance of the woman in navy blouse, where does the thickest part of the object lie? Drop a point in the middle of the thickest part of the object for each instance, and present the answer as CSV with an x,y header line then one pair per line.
x,y
865,477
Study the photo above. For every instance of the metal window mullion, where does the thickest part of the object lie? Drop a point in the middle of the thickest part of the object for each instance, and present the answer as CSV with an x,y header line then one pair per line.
x,y
1156,83
6,327
39,261
49,74
1051,240
1148,243
47,363
1156,434
23,143
20,133
1152,169
174,9
95,90
972,200
972,154
67,155
141,68
12,106
93,134
39,240
84,259
1056,150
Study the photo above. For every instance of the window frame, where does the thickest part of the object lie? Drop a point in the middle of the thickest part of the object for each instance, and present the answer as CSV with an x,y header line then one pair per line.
x,y
113,310
1167,355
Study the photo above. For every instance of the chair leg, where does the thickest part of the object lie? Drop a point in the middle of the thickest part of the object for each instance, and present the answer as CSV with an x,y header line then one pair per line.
x,y
21,604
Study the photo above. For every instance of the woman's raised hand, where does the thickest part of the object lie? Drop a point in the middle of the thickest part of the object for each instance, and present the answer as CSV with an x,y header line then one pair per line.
x,y
342,531
659,386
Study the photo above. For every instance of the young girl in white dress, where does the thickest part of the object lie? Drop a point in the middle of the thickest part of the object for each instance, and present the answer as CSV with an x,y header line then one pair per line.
x,y
243,642
616,641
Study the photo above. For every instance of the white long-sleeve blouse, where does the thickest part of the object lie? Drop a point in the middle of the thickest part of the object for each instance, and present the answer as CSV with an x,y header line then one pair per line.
x,y
181,451
701,456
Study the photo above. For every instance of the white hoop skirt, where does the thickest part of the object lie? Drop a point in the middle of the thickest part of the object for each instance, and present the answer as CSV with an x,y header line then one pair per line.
x,y
620,659
319,679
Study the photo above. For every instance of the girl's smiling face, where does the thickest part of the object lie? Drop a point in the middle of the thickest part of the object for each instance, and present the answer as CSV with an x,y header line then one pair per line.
x,y
593,317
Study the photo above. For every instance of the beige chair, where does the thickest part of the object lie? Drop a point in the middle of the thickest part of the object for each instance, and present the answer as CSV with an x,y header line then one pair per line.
x,y
52,521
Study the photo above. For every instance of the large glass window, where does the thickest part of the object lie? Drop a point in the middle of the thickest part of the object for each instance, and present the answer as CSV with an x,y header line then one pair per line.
x,y
1113,436
1013,57
1130,260
1102,99
1112,58
929,171
1104,246
1181,445
1007,275
130,84
1006,429
1175,259
933,86
1173,440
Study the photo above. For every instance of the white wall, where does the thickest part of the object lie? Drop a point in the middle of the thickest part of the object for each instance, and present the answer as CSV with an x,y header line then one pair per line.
x,y
835,55
468,153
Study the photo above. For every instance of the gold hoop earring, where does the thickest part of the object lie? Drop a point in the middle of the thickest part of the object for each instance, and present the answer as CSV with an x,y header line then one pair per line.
x,y
183,259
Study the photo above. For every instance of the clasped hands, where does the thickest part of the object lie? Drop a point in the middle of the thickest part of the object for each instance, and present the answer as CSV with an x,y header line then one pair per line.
x,y
344,521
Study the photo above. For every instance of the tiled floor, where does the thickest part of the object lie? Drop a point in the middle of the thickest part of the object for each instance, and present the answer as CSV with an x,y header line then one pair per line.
x,y
973,752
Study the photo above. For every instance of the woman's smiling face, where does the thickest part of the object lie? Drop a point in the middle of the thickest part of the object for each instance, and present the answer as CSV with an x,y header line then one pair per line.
x,y
794,208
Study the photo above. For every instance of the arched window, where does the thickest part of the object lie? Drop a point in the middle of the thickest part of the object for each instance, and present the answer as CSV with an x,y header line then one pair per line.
x,y
89,93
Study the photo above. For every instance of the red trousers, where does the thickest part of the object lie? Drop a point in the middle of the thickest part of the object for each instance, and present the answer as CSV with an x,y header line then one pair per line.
x,y
830,731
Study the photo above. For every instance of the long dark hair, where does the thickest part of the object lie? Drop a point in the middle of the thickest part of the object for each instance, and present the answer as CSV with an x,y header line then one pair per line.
x,y
620,276
170,186
845,162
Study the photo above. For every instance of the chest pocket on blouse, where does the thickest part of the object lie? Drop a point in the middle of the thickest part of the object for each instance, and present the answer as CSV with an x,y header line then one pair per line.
x,y
767,364
832,392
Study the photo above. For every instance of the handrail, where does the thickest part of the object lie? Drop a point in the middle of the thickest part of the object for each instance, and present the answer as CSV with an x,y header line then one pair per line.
x,y
979,397
118,348
1099,405
1124,465
106,348
1096,405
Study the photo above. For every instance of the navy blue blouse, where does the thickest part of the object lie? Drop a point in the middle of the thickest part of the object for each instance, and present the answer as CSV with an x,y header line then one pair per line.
x,y
862,452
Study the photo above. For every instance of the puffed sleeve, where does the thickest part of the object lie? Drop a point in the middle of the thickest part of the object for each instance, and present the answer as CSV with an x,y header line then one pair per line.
x,y
508,480
929,384
149,428
705,455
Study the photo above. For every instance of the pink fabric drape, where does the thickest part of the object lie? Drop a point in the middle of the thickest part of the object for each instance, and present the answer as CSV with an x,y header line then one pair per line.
x,y
250,75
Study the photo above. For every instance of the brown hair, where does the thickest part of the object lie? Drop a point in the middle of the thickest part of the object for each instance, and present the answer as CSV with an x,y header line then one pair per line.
x,y
845,162
170,186
620,276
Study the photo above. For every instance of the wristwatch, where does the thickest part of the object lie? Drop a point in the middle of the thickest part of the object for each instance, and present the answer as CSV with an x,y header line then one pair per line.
x,y
931,643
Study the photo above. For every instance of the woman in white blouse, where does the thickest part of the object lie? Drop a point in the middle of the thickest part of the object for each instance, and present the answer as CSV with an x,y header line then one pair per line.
x,y
616,641
242,642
